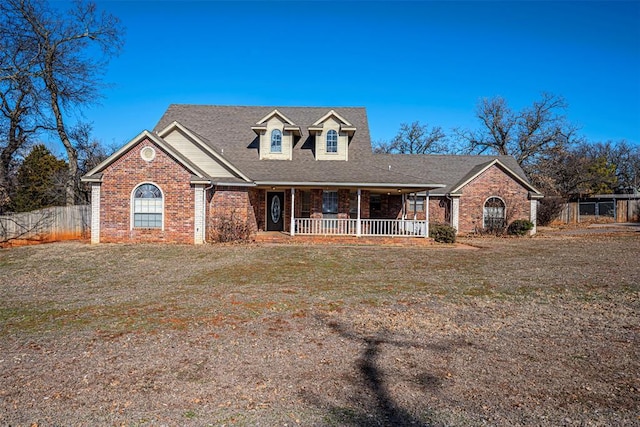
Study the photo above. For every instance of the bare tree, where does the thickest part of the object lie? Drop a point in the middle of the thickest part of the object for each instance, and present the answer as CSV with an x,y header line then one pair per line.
x,y
527,135
21,103
90,153
67,67
414,138
588,168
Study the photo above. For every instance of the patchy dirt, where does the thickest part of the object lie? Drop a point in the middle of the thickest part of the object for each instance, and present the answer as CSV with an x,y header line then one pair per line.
x,y
531,331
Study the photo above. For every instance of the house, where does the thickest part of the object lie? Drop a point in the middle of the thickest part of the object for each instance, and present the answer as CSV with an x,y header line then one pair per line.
x,y
299,170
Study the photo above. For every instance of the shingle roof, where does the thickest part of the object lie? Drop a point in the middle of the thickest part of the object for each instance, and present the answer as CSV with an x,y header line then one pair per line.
x,y
227,129
450,170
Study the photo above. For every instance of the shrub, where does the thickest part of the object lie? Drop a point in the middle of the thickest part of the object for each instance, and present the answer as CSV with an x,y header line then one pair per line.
x,y
549,209
519,227
230,228
442,233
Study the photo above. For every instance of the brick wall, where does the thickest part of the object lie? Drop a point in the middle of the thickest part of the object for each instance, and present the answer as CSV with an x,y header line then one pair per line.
x,y
240,203
390,207
439,210
492,182
365,197
258,201
129,171
316,203
344,203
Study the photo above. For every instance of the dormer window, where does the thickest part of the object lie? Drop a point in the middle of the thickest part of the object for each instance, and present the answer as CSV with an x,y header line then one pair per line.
x,y
332,134
332,141
276,141
277,136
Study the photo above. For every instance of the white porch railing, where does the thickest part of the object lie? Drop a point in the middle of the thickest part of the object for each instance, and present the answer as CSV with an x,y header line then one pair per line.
x,y
368,227
326,226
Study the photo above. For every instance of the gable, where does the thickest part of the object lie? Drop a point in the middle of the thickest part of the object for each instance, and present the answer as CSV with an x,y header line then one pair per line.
x,y
453,171
185,146
481,169
94,174
276,125
335,127
233,129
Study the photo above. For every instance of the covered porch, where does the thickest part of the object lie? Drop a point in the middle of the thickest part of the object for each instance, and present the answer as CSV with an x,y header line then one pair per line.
x,y
306,210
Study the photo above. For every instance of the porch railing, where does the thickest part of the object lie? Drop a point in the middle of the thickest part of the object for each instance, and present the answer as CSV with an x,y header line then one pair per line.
x,y
368,227
326,226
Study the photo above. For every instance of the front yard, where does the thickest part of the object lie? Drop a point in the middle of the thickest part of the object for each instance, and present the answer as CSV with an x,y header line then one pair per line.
x,y
532,331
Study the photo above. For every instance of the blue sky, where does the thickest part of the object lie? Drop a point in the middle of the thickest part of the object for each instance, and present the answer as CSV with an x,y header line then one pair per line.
x,y
403,61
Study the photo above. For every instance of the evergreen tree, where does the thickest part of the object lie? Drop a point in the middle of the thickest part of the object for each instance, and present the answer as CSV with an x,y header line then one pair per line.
x,y
40,181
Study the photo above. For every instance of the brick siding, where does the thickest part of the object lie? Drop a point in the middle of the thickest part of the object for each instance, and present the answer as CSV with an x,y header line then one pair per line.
x,y
248,204
238,203
439,210
493,182
118,183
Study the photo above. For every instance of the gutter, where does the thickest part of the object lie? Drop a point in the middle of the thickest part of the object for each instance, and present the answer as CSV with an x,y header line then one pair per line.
x,y
347,184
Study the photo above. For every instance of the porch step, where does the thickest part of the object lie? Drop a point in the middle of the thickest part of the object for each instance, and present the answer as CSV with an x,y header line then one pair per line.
x,y
278,237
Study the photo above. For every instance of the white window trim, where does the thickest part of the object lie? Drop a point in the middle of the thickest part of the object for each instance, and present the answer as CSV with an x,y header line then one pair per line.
x,y
504,209
419,201
337,200
131,206
271,141
326,142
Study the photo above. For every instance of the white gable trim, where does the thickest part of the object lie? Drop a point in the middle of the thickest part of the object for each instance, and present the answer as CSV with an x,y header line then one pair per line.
x,y
200,144
334,114
509,172
128,146
274,113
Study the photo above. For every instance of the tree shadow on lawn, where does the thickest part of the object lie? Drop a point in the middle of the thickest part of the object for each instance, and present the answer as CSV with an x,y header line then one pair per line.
x,y
374,406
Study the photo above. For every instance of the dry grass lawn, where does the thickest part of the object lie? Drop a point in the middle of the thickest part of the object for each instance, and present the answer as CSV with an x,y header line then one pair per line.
x,y
531,331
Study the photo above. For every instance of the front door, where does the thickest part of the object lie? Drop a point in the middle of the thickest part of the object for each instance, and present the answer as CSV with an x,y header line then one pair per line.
x,y
275,211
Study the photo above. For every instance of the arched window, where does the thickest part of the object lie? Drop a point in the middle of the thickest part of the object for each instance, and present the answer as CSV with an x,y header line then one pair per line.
x,y
332,141
147,207
493,214
276,141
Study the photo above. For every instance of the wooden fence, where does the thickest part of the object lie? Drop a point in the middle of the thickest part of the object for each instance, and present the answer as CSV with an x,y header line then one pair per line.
x,y
597,210
49,224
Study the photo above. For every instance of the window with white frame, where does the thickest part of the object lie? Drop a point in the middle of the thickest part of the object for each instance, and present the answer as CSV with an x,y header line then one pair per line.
x,y
416,204
306,204
330,202
332,141
493,217
353,204
276,141
375,204
147,207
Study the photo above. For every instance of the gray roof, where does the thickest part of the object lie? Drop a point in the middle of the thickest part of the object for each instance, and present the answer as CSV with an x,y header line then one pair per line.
x,y
227,129
450,170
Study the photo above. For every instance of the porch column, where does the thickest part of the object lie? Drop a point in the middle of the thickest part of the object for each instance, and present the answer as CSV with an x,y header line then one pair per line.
x,y
198,220
455,212
533,217
293,211
426,215
95,212
415,206
358,222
